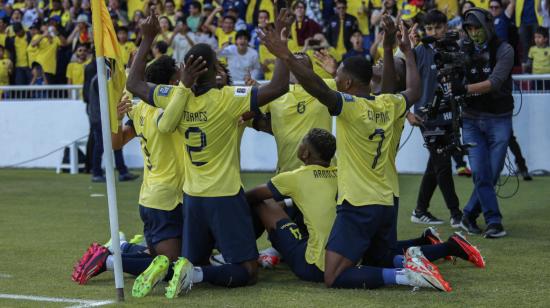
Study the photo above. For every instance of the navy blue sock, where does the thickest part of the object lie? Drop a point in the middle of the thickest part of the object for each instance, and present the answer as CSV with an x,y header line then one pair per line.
x,y
132,248
360,277
135,264
389,274
435,252
398,261
402,246
228,275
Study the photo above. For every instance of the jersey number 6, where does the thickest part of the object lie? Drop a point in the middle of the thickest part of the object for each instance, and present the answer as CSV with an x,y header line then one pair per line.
x,y
191,149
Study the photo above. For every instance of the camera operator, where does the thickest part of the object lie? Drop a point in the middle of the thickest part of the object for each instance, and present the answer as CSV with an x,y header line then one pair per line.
x,y
487,118
439,170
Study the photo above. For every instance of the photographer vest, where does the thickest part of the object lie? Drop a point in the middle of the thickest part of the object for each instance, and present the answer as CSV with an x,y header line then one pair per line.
x,y
498,102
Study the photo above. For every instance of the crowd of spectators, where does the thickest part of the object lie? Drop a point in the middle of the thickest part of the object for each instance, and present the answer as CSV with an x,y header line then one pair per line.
x,y
50,41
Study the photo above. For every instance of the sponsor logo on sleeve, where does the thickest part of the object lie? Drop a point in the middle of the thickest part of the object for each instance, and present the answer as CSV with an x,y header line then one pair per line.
x,y
164,90
241,91
348,98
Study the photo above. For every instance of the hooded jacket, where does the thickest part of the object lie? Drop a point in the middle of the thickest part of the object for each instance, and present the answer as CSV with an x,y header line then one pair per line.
x,y
492,62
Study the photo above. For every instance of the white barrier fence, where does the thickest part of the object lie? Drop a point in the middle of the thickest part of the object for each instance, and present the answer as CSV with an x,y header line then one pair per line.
x,y
30,128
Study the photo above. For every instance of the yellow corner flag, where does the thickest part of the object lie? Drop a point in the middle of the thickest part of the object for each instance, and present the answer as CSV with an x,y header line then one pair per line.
x,y
107,46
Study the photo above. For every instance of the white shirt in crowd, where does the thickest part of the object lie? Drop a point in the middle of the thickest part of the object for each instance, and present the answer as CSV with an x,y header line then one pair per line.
x,y
181,45
206,39
28,17
242,65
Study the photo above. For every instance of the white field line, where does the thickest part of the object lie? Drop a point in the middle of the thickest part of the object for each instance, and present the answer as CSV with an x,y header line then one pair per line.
x,y
2,275
80,303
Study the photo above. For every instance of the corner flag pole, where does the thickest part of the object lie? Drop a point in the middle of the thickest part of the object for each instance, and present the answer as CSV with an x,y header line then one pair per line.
x,y
110,176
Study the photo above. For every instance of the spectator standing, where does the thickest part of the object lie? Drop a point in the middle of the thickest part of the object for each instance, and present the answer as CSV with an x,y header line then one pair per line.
x,y
193,21
254,6
165,34
544,12
45,46
135,5
357,48
17,45
31,13
226,32
340,28
239,23
6,69
170,11
128,47
121,15
456,22
527,19
267,59
388,7
360,10
539,57
182,41
303,27
502,17
242,60
75,69
82,32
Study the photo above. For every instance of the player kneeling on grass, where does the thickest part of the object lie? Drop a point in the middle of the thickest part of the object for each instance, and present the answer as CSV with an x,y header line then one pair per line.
x,y
160,195
215,213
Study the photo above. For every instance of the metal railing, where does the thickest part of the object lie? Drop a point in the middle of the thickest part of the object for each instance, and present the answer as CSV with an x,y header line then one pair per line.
x,y
41,93
533,83
525,84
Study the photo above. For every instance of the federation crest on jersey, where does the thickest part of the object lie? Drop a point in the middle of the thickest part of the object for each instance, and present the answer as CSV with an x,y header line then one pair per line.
x,y
164,90
301,107
240,91
348,98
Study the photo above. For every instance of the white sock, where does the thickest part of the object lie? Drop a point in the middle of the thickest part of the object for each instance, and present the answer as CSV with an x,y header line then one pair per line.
x,y
197,275
401,277
109,263
270,251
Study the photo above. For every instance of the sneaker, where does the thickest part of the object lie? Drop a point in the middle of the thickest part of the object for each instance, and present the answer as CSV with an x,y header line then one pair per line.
x,y
472,253
217,260
147,280
470,226
182,279
122,237
494,231
127,177
431,236
98,179
91,264
268,261
425,218
464,171
422,273
455,221
138,239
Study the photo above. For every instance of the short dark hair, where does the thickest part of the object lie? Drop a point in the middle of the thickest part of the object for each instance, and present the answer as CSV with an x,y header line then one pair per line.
x,y
323,142
208,54
196,4
344,2
359,68
230,17
499,1
241,33
162,46
264,11
161,70
122,28
302,2
542,31
435,17
227,73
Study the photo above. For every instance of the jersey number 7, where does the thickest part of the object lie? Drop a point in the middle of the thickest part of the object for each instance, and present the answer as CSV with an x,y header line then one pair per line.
x,y
377,132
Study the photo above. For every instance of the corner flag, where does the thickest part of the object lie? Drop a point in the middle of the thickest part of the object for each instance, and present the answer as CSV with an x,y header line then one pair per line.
x,y
107,46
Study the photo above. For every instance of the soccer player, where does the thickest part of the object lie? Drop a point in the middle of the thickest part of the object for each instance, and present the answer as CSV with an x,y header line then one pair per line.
x,y
215,212
365,210
160,195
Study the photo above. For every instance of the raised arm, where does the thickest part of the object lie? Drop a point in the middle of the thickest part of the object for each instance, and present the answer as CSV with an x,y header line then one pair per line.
x,y
210,19
412,78
136,83
511,7
389,80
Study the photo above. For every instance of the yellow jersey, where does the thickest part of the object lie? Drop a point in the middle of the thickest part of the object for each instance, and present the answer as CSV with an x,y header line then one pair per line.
x,y
75,72
162,160
47,54
355,8
392,174
313,190
484,4
541,59
264,54
135,5
5,65
292,116
127,49
209,123
363,128
21,44
450,7
225,37
317,68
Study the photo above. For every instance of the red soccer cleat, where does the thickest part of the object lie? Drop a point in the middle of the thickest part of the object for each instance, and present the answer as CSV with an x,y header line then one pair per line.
x,y
422,272
431,235
91,264
464,171
268,261
473,254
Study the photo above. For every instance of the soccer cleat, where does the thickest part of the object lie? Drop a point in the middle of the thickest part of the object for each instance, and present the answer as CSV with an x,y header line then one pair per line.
x,y
425,218
268,261
217,260
494,231
472,253
127,177
464,171
422,273
91,264
182,279
122,237
138,239
147,280
432,237
470,226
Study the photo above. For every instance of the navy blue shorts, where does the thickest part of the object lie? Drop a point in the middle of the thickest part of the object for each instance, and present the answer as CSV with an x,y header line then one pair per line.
x,y
363,233
288,240
221,222
160,225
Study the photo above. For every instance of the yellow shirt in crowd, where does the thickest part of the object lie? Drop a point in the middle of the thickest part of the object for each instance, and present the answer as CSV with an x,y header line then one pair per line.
x,y
541,59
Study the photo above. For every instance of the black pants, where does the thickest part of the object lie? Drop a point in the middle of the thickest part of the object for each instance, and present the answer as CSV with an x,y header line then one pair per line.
x,y
438,173
516,150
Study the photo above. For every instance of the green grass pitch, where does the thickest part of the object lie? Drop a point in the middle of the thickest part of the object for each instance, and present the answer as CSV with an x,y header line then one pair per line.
x,y
48,220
